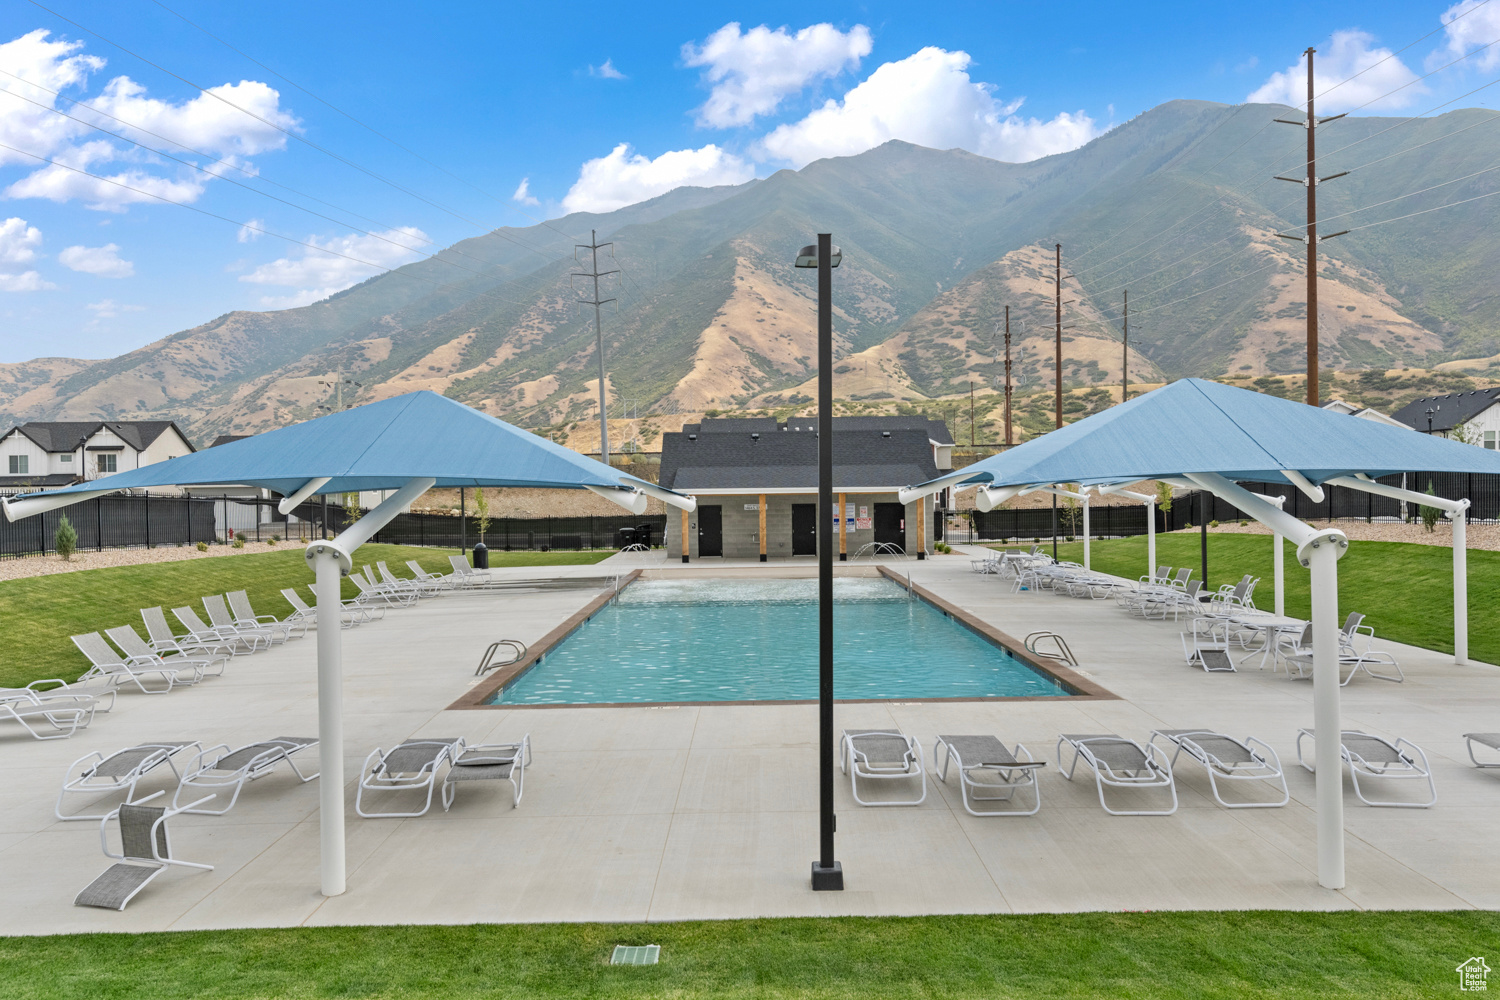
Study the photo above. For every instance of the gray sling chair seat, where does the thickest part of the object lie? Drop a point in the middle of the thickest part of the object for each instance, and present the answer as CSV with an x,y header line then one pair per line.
x,y
239,605
1298,653
221,619
1491,740
1120,763
137,670
164,640
419,586
223,768
466,575
490,762
988,772
438,580
882,755
200,632
410,766
394,587
1370,756
1212,654
353,611
145,852
95,774
1228,759
132,645
47,715
369,593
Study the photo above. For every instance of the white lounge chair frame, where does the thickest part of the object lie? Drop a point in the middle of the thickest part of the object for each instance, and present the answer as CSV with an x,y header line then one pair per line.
x,y
220,618
489,762
132,645
441,581
857,763
122,769
220,767
292,626
63,714
108,663
991,768
202,634
1134,766
1491,740
1257,762
164,640
378,775
1410,763
138,849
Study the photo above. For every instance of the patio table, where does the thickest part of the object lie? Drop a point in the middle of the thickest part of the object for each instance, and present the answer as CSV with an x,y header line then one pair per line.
x,y
1270,626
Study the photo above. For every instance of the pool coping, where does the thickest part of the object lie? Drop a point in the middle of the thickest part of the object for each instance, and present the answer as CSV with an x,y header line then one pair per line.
x,y
1082,688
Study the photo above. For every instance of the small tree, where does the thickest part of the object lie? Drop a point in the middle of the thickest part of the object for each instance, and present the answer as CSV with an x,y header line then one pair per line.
x,y
1071,514
1164,496
352,512
66,539
1430,515
481,512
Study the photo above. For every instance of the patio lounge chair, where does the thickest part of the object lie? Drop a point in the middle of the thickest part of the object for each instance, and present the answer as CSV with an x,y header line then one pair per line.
x,y
1373,756
99,689
132,645
1120,763
225,623
438,580
45,715
417,585
1228,759
881,754
202,634
355,613
136,670
1491,740
239,606
1298,653
467,575
986,767
221,767
490,762
145,852
122,769
164,640
410,766
370,593
1212,654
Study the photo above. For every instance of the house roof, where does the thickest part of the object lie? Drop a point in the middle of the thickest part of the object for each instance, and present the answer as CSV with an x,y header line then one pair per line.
x,y
1362,412
37,482
66,435
862,459
1449,409
937,430
227,439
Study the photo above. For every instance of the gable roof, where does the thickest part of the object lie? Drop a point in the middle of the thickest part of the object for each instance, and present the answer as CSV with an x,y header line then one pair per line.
x,y
67,435
937,430
1450,409
862,459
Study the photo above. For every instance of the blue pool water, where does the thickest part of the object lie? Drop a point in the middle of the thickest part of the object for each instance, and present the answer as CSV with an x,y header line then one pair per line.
x,y
744,640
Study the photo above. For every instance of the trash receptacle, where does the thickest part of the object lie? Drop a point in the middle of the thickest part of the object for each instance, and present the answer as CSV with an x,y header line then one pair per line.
x,y
481,556
625,537
643,535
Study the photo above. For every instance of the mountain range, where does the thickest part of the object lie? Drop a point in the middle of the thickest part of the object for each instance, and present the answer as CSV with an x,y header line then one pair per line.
x,y
1179,207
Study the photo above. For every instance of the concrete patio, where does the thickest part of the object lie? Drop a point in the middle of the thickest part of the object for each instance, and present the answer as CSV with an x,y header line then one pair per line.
x,y
675,813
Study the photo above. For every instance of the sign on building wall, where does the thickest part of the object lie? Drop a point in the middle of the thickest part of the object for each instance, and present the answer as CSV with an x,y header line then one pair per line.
x,y
863,522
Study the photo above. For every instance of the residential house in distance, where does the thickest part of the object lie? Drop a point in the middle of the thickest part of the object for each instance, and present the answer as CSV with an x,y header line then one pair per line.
x,y
1472,416
1363,413
756,482
45,454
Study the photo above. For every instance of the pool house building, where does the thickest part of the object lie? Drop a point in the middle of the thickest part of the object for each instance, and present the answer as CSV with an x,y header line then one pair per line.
x,y
756,481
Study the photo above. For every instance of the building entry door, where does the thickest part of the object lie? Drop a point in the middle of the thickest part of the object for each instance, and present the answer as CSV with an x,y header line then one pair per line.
x,y
804,529
890,525
710,530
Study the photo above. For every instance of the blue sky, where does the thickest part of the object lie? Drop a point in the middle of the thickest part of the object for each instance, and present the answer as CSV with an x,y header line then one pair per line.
x,y
592,107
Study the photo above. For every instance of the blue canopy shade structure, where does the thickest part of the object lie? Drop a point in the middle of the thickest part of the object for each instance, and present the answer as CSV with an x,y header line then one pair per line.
x,y
1212,437
408,443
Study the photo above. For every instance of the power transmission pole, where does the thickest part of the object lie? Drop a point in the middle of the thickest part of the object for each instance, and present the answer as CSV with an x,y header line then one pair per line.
x,y
1311,181
593,246
1125,359
971,413
1057,360
1007,375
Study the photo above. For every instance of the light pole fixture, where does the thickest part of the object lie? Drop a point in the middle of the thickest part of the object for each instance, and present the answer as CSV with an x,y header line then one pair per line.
x,y
1430,412
823,255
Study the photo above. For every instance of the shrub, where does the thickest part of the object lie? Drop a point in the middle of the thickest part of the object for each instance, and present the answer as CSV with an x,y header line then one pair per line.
x,y
271,540
1188,526
240,536
1213,524
1430,515
239,542
65,540
202,546
1244,524
275,538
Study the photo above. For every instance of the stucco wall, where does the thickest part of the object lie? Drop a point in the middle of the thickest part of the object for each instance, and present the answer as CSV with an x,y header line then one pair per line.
x,y
741,527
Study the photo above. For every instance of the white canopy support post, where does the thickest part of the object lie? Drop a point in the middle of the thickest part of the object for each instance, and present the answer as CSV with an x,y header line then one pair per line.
x,y
289,503
1319,550
632,500
1297,479
1456,510
1278,560
1085,529
331,562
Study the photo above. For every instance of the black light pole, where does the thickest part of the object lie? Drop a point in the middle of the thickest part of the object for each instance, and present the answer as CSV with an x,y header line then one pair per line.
x,y
1430,412
1203,511
826,872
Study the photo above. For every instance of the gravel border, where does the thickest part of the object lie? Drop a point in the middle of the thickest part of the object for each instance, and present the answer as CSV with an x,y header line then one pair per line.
x,y
28,566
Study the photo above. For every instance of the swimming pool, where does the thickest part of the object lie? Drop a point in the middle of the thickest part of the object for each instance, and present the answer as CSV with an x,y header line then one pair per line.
x,y
757,640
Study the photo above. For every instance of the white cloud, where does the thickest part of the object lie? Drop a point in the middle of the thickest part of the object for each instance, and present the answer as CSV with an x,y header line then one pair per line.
x,y
523,193
318,275
102,261
18,241
251,231
607,71
1349,52
109,309
26,281
753,71
203,123
620,179
1470,25
927,99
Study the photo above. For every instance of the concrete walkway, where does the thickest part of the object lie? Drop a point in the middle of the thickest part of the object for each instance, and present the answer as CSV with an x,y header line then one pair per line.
x,y
638,814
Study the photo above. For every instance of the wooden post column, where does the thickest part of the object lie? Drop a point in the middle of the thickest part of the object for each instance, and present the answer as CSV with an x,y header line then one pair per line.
x,y
760,509
843,528
686,544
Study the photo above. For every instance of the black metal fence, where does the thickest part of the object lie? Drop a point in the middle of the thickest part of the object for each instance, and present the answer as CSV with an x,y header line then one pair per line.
x,y
1339,502
113,522
505,533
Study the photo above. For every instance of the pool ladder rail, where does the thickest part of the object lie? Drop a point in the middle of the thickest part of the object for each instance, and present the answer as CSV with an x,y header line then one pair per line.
x,y
515,647
1060,650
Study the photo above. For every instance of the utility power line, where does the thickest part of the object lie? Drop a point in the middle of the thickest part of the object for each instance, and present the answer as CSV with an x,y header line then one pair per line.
x,y
593,246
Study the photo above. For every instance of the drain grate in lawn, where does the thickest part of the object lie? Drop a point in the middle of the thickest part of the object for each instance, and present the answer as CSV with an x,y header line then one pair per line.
x,y
637,954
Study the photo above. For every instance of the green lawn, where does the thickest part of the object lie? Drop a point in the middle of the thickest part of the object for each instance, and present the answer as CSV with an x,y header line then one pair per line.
x,y
39,613
1404,590
1097,955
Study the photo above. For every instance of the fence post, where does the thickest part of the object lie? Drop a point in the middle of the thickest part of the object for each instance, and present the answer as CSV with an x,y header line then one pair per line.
x,y
99,522
146,506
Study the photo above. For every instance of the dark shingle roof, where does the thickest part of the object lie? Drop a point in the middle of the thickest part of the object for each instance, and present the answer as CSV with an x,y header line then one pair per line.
x,y
227,438
37,482
1450,409
936,430
862,459
67,435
